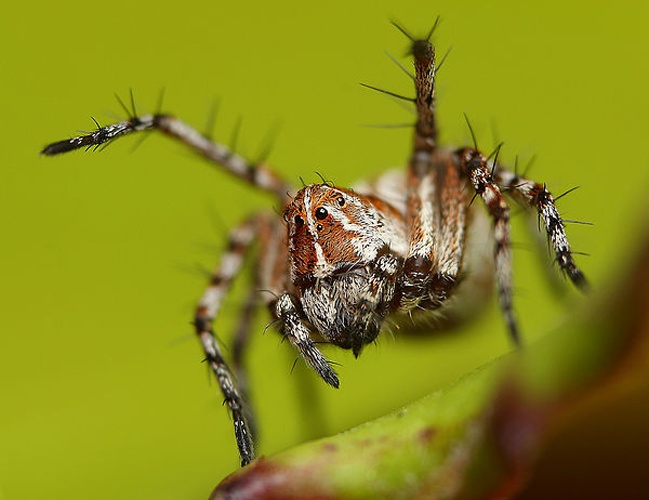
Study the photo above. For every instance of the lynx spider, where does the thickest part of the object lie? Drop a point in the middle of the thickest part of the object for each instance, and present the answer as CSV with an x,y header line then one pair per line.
x,y
342,261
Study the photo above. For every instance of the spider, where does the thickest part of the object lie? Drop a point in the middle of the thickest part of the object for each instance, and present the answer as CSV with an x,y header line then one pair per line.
x,y
340,262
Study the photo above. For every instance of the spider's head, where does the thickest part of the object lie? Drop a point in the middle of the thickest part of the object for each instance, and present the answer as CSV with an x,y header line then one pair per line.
x,y
344,251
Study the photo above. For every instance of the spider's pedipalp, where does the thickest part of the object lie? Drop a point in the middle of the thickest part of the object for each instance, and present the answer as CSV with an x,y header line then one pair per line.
x,y
299,335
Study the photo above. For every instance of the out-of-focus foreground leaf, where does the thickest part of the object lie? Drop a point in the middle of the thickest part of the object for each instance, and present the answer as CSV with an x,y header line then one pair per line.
x,y
480,437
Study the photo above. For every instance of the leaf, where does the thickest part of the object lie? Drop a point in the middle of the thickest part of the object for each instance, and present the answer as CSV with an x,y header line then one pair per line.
x,y
479,437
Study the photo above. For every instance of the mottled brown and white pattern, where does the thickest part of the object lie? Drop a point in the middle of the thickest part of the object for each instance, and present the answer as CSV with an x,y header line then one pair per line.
x,y
340,262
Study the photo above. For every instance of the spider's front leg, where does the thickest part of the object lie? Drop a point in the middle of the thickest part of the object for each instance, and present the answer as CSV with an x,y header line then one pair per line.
x,y
208,307
437,205
475,166
487,178
531,194
256,173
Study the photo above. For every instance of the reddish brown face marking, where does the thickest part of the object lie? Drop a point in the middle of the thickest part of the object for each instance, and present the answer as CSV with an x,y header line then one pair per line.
x,y
330,227
316,239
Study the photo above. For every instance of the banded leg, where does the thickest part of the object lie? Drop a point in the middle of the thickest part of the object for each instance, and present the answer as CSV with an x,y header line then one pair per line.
x,y
422,217
476,167
424,143
259,175
298,335
437,204
208,307
531,194
239,347
426,127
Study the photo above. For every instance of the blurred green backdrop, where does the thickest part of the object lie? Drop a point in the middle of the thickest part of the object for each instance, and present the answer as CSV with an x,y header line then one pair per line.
x,y
103,392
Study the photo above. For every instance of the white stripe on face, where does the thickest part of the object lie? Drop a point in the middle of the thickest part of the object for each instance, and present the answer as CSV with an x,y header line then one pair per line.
x,y
322,267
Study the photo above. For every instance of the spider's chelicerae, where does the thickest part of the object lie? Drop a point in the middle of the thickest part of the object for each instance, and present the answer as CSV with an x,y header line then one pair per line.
x,y
341,261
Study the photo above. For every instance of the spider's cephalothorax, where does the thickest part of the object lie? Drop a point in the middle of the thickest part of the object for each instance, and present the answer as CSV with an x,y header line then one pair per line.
x,y
345,253
342,261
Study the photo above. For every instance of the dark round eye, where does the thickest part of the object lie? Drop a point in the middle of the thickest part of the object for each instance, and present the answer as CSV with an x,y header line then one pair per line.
x,y
340,200
321,213
299,221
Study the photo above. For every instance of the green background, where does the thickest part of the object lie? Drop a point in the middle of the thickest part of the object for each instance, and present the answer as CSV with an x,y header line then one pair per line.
x,y
102,389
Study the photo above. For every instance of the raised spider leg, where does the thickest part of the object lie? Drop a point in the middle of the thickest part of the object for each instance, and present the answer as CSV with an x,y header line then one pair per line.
x,y
531,194
259,175
437,204
208,307
477,169
421,218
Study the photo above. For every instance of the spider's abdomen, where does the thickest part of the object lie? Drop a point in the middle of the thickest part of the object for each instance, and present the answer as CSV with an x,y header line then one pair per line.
x,y
345,252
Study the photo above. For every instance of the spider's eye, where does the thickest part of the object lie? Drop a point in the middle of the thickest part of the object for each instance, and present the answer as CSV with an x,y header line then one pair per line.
x,y
321,213
299,221
340,200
